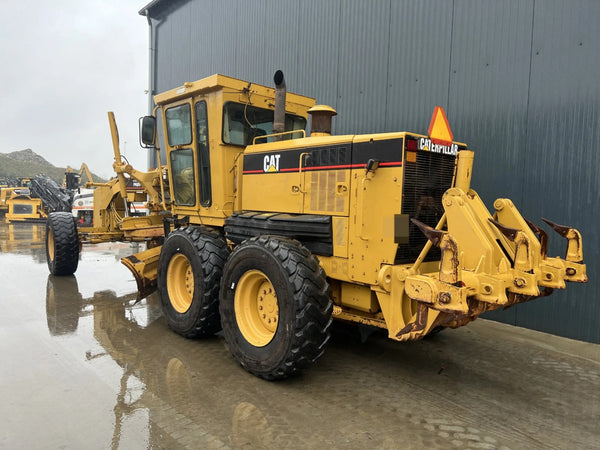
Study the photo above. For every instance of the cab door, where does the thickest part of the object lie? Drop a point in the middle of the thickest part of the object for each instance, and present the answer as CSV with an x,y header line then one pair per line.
x,y
203,154
180,153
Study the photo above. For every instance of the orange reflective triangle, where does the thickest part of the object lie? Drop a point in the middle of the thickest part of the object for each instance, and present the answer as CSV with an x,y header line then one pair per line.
x,y
439,130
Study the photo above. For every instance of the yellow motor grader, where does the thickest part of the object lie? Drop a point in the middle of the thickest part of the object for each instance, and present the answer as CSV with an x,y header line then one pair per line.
x,y
113,214
18,205
272,233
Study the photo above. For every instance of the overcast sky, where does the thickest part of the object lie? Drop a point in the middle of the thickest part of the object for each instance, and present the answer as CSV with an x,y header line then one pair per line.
x,y
65,63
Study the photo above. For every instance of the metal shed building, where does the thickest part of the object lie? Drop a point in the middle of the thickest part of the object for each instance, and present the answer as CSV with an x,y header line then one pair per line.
x,y
519,80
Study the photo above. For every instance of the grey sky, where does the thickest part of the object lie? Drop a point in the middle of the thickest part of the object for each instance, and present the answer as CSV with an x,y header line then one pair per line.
x,y
66,63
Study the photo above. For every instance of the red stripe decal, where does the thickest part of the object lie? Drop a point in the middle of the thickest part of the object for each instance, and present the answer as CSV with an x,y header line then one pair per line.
x,y
343,166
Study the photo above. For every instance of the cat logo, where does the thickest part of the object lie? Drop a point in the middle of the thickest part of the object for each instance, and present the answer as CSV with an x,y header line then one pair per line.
x,y
429,146
271,163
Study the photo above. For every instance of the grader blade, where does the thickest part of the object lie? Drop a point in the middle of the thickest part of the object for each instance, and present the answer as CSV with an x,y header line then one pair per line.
x,y
144,266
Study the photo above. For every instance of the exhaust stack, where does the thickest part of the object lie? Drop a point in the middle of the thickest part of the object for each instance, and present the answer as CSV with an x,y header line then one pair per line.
x,y
279,114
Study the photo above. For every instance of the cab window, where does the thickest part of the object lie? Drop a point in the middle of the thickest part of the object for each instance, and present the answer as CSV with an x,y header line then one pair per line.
x,y
242,123
203,153
182,169
179,125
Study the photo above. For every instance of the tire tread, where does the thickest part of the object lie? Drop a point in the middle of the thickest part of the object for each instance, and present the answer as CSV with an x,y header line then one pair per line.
x,y
213,252
313,308
66,243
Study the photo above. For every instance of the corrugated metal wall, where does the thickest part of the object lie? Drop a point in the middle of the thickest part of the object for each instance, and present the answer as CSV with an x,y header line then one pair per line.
x,y
519,80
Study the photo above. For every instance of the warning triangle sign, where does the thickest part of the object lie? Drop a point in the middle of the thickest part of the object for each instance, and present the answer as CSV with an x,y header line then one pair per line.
x,y
439,130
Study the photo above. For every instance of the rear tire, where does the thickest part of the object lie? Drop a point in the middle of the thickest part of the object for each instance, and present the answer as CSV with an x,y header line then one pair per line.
x,y
189,273
275,307
62,243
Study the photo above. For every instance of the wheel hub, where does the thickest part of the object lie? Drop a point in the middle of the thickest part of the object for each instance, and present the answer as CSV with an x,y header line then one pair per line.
x,y
256,308
180,283
267,306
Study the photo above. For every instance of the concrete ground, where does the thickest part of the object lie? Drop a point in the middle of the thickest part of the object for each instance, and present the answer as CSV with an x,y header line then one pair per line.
x,y
83,366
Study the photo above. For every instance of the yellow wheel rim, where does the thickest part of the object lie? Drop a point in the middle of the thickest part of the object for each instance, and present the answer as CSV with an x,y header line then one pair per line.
x,y
50,245
180,283
256,308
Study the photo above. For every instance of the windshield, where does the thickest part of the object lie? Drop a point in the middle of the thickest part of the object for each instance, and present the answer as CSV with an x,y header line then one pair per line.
x,y
242,123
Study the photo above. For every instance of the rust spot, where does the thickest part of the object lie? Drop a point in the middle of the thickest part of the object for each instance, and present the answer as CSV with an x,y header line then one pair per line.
x,y
510,233
560,229
542,236
419,323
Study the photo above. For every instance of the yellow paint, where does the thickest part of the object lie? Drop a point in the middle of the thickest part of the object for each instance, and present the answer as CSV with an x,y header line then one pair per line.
x,y
358,297
480,268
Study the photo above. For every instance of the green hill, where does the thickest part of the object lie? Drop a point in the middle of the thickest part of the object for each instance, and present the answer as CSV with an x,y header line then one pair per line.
x,y
27,163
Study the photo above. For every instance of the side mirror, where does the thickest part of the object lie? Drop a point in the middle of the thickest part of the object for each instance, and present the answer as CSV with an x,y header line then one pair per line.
x,y
147,131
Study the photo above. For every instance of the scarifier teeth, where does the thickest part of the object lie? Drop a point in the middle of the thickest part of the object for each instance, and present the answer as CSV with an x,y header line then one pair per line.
x,y
510,233
435,236
574,252
542,235
532,225
560,229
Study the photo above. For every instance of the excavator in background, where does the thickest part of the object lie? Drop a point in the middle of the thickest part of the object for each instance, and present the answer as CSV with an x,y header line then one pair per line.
x,y
73,180
83,198
269,234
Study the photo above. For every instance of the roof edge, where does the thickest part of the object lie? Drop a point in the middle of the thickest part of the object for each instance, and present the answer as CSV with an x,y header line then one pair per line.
x,y
152,4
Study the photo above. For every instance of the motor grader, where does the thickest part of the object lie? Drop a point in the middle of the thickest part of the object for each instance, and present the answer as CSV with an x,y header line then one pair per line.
x,y
269,234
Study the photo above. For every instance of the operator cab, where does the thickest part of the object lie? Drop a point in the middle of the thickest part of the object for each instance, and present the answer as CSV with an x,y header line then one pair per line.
x,y
202,128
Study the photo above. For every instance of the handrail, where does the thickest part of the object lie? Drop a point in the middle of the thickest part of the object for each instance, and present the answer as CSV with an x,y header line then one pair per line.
x,y
278,134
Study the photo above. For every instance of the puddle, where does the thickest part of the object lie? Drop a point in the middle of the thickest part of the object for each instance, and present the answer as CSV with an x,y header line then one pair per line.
x,y
85,366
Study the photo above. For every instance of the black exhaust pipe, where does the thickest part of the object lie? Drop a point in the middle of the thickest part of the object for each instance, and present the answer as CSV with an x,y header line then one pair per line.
x,y
279,114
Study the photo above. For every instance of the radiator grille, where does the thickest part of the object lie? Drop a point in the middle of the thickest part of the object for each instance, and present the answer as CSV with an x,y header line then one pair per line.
x,y
425,181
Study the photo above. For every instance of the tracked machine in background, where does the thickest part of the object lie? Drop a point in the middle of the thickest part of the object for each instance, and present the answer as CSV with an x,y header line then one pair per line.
x,y
270,234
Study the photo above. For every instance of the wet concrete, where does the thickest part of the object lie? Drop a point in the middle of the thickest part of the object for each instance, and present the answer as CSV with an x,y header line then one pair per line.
x,y
84,366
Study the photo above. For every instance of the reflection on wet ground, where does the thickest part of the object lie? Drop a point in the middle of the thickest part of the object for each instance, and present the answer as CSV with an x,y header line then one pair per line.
x,y
23,238
85,366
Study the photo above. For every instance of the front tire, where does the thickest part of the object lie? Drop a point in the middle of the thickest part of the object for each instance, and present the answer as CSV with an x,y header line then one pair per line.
x,y
189,273
62,244
275,307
